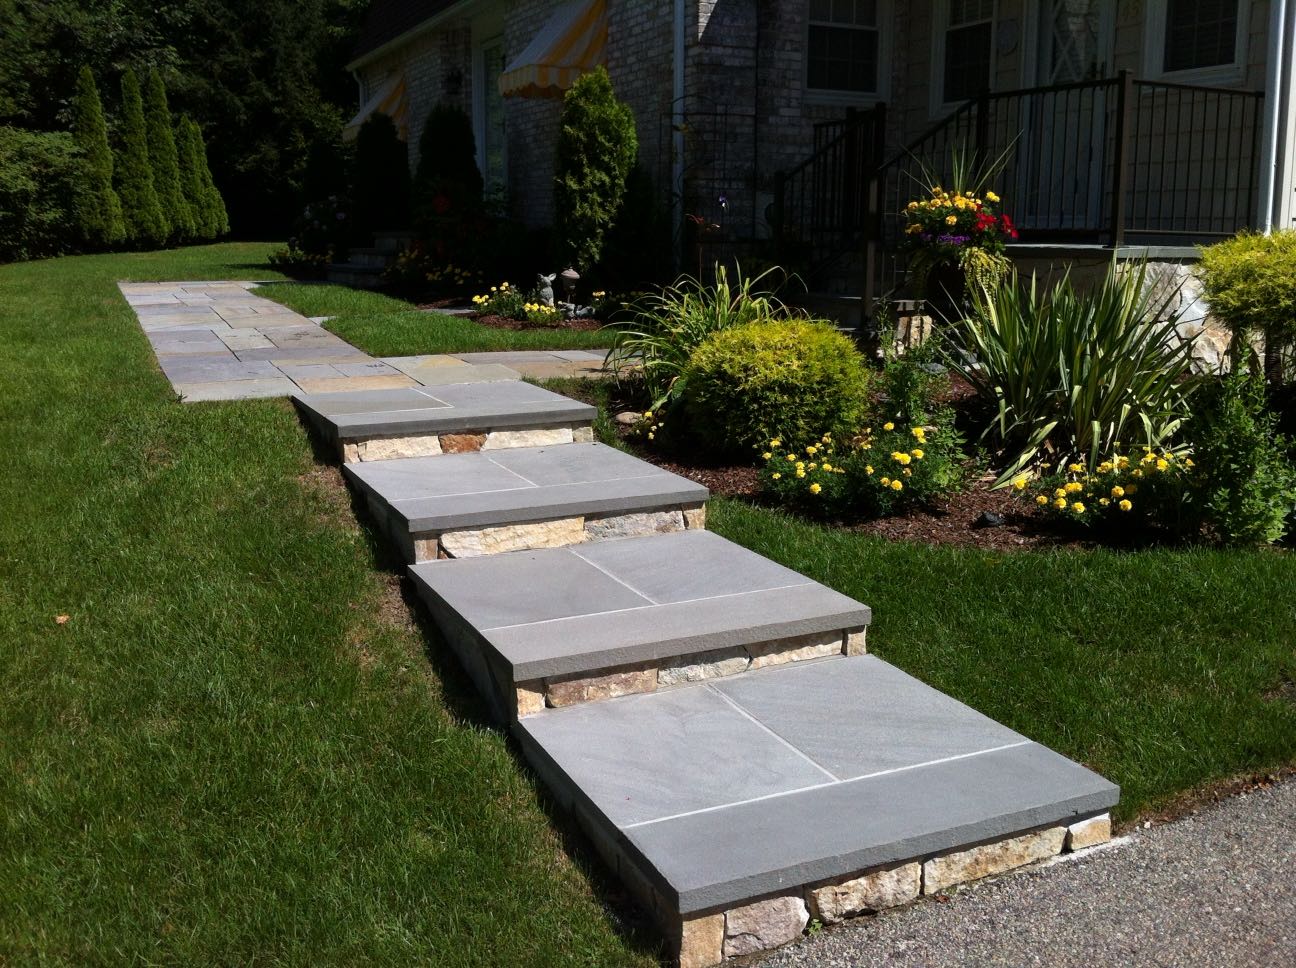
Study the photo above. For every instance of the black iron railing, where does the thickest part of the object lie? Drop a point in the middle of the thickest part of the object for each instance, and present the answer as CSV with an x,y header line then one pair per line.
x,y
1108,162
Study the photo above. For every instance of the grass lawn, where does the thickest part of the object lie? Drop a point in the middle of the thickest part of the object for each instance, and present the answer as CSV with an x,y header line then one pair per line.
x,y
237,749
383,326
1164,670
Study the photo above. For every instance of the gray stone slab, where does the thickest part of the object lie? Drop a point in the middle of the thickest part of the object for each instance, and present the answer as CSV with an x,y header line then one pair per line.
x,y
902,721
304,355
172,308
235,389
704,612
366,368
436,376
447,409
735,845
581,356
267,320
508,357
433,494
184,369
663,754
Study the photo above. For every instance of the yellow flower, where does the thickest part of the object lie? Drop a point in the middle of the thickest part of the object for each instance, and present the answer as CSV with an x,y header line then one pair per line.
x,y
1074,486
1060,492
1019,484
815,488
766,456
914,229
1078,508
1162,464
900,457
951,219
886,482
1118,491
827,466
918,453
648,414
811,450
776,442
991,197
1060,503
813,466
600,294
1041,499
1136,472
494,288
888,426
1076,468
897,486
652,436
776,475
911,206
800,472
868,469
1125,505
790,457
1188,462
1122,462
920,433
1105,467
1104,501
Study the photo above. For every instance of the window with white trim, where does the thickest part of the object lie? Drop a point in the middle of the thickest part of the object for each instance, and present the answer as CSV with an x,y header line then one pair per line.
x,y
967,58
843,52
1199,34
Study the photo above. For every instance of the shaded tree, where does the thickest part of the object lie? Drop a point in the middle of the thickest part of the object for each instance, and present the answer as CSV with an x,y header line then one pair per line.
x,y
134,172
98,209
382,179
165,163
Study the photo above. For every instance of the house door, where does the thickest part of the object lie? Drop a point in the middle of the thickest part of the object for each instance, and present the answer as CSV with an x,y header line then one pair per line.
x,y
492,142
1064,131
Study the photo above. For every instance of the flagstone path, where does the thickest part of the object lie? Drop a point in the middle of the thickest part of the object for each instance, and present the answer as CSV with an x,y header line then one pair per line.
x,y
710,717
222,341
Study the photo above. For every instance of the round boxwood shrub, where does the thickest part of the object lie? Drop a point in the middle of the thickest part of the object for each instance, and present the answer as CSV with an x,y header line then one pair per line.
x,y
792,380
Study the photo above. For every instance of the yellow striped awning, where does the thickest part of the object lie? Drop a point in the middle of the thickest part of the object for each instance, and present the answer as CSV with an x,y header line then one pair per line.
x,y
391,100
572,41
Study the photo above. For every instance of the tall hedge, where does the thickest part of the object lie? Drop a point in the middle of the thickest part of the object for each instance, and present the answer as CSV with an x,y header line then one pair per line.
x,y
145,224
447,181
382,178
98,209
209,209
40,175
597,145
163,157
191,178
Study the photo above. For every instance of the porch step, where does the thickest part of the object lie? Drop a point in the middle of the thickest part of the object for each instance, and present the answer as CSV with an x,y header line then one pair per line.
x,y
394,240
460,505
385,424
775,785
589,621
358,274
371,258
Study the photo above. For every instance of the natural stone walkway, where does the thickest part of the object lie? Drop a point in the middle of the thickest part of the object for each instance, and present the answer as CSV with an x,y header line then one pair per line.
x,y
222,341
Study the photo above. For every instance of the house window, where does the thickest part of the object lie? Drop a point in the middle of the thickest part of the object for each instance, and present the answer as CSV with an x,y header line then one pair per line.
x,y
968,49
1200,34
844,46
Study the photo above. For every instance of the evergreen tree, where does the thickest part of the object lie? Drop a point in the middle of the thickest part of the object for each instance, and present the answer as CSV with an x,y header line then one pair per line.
x,y
382,177
98,209
447,181
213,204
140,209
191,178
162,155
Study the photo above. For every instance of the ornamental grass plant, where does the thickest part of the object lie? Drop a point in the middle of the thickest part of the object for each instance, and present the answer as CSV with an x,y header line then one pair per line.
x,y
1071,376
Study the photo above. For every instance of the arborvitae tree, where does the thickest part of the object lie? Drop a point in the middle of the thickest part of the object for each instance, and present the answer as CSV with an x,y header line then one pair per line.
x,y
447,181
140,209
213,203
98,209
597,145
162,155
382,179
191,178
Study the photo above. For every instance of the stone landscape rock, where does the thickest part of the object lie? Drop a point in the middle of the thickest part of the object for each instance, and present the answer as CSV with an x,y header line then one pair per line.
x,y
513,537
566,692
814,646
639,523
764,924
462,443
1089,833
713,666
701,942
970,865
869,892
536,437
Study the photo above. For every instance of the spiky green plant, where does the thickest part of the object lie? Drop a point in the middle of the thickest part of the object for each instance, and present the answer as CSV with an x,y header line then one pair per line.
x,y
670,324
1070,376
98,209
145,224
163,157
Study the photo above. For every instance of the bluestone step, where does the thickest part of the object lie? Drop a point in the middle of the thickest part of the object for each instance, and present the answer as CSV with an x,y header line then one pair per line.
x,y
384,424
458,505
589,621
774,782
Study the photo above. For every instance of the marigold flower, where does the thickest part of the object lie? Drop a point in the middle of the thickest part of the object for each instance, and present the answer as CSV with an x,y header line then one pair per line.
x,y
800,472
1125,505
1019,484
897,486
1078,508
1118,491
1076,468
766,456
887,426
1162,464
1060,503
815,488
776,442
918,453
1041,499
868,469
991,197
919,432
776,475
886,482
951,219
1074,486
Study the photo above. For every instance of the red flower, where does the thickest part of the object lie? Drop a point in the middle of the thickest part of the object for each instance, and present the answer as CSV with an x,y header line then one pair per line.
x,y
1008,226
984,222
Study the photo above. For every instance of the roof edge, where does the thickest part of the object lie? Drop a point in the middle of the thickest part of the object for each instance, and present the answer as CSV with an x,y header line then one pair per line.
x,y
433,21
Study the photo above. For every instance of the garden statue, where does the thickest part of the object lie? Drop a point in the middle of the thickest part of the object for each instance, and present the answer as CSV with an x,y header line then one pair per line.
x,y
569,279
544,284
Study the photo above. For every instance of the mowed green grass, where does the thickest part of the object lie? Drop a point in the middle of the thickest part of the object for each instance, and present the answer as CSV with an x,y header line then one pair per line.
x,y
383,326
1165,670
238,749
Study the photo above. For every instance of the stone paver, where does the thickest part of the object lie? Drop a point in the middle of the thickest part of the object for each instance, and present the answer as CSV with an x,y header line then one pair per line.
x,y
227,322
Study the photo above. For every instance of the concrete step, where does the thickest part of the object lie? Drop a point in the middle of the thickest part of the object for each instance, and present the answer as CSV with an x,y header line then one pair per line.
x,y
461,505
589,621
422,422
393,241
739,809
370,258
357,274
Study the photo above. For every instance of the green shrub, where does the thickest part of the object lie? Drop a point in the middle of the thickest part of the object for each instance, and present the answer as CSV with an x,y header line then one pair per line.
x,y
145,224
447,183
382,178
204,199
597,144
1246,484
667,326
165,160
1071,376
883,470
40,177
792,380
1250,283
98,209
502,300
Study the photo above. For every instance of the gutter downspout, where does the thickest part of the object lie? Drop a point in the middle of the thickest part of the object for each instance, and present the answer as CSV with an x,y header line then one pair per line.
x,y
1274,89
677,133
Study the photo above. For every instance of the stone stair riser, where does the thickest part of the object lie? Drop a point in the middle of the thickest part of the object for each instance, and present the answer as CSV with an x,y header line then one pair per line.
x,y
358,449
